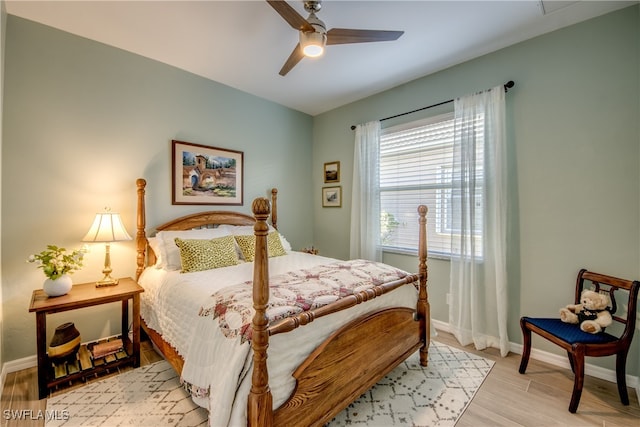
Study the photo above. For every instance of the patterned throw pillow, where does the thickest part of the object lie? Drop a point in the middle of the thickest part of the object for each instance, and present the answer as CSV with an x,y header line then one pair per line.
x,y
169,252
247,245
198,255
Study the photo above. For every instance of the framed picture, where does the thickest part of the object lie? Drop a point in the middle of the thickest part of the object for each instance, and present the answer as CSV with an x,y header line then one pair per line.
x,y
332,197
204,175
332,172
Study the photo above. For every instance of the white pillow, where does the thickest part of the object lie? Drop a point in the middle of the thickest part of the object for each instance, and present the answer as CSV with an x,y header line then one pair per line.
x,y
242,230
154,244
285,243
170,253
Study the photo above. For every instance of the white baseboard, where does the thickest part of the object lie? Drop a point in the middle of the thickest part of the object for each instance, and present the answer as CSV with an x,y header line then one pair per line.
x,y
19,364
16,365
561,361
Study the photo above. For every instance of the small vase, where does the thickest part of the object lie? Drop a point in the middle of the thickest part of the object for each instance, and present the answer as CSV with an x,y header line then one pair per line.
x,y
65,342
57,287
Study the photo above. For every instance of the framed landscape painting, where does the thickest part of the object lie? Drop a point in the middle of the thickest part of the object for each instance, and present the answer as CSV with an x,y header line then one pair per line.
x,y
204,175
332,172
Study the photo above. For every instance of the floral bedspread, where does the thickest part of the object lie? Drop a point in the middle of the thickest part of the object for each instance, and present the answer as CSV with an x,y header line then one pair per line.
x,y
294,292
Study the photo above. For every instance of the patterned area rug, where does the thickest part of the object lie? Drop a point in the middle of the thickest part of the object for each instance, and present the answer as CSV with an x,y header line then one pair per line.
x,y
410,395
147,396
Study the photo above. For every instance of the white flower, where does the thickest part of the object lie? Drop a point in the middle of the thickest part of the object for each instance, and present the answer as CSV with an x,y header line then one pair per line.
x,y
55,261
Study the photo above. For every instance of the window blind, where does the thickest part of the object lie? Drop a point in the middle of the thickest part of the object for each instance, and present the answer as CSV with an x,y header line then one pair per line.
x,y
416,167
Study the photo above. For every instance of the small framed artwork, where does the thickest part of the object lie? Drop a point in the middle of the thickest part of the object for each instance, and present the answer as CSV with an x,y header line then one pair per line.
x,y
332,197
332,172
204,175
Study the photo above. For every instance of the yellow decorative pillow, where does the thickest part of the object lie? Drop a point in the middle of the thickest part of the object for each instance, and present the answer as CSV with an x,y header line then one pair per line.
x,y
247,245
274,245
198,255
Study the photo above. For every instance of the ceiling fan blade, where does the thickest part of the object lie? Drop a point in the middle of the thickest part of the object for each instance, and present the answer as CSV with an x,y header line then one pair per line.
x,y
293,59
290,15
346,35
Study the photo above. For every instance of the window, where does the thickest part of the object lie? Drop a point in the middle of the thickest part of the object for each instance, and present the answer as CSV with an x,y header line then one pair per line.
x,y
416,167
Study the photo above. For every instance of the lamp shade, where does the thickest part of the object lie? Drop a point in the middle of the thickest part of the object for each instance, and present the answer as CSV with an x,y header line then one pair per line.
x,y
107,227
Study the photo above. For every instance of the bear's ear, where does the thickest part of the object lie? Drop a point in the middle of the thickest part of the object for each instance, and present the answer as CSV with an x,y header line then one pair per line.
x,y
605,300
587,294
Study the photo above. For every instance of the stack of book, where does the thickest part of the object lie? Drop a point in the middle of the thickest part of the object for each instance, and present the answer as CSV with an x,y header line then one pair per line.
x,y
106,348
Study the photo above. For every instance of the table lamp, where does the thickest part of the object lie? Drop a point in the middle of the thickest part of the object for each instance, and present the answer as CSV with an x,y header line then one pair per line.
x,y
107,227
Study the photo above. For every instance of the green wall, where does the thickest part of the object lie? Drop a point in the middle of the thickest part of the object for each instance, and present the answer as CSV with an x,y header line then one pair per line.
x,y
82,121
574,151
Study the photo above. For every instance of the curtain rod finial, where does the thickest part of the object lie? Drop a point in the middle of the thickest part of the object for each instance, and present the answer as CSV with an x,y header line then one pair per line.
x,y
509,85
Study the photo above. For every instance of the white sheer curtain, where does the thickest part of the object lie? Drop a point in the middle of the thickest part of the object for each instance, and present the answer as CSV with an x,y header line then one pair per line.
x,y
365,199
478,287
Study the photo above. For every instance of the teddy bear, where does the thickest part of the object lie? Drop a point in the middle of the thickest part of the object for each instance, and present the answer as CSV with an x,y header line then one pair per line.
x,y
592,313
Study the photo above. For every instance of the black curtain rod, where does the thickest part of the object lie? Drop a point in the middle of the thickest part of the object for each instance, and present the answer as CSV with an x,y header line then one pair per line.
x,y
507,86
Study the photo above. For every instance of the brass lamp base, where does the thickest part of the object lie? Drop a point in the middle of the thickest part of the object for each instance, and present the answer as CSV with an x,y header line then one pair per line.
x,y
107,281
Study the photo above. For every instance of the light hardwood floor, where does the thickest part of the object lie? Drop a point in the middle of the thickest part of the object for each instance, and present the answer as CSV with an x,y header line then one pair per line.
x,y
506,398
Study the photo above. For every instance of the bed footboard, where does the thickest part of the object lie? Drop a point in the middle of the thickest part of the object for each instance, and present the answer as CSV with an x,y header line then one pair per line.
x,y
346,364
338,371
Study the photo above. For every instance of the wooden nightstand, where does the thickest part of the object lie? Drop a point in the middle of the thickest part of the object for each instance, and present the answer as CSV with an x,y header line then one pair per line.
x,y
85,295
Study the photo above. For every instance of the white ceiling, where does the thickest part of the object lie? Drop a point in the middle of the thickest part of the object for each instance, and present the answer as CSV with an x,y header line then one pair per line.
x,y
243,44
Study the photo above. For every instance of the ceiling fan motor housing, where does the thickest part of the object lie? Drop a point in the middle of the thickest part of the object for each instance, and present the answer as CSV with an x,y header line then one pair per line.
x,y
317,24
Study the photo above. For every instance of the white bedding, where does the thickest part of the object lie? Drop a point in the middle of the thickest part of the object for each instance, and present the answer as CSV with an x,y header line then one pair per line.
x,y
219,369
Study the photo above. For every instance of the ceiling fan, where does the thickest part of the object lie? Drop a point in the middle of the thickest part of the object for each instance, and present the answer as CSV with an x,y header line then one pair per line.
x,y
314,35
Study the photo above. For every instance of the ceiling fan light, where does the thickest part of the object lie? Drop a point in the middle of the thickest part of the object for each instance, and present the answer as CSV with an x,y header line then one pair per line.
x,y
313,50
312,43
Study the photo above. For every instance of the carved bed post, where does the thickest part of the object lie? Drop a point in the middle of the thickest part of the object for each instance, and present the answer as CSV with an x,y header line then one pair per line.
x,y
424,311
260,404
274,208
141,238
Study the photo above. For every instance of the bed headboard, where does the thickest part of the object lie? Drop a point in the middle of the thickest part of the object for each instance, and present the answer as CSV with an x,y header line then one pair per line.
x,y
208,219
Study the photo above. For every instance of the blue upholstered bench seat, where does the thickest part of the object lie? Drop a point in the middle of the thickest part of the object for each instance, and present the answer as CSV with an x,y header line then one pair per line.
x,y
570,332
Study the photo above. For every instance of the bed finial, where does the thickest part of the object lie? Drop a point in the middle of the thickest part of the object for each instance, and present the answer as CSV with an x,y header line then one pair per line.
x,y
260,207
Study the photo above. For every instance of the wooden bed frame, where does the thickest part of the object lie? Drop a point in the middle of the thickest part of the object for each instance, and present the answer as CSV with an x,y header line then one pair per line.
x,y
341,368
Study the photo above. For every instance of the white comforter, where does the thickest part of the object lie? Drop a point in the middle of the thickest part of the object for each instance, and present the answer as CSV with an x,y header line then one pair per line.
x,y
217,370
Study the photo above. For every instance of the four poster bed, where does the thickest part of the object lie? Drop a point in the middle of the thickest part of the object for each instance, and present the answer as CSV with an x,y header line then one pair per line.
x,y
325,349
